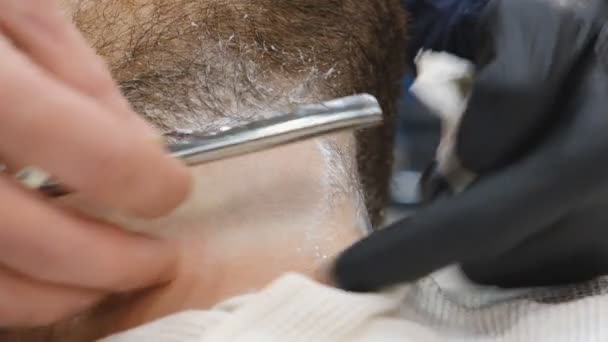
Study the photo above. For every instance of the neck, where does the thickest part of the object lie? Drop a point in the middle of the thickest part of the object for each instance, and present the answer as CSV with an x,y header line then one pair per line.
x,y
249,220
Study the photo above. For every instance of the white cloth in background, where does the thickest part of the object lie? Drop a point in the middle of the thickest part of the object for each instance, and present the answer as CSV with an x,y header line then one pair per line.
x,y
444,84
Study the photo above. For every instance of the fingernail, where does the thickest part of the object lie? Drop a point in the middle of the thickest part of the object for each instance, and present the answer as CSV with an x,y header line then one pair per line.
x,y
163,192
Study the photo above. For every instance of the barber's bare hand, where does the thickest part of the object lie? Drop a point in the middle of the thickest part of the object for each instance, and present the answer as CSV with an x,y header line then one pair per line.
x,y
61,111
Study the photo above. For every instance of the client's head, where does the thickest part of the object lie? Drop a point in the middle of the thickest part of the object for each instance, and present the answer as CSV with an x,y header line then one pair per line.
x,y
204,64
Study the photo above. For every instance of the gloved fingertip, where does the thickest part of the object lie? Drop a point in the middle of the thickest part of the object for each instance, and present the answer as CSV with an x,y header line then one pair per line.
x,y
349,275
432,184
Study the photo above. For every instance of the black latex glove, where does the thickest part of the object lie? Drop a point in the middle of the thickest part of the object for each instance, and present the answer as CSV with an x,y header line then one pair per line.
x,y
536,132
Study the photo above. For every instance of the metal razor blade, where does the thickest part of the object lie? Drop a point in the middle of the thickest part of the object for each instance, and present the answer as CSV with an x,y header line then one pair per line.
x,y
304,122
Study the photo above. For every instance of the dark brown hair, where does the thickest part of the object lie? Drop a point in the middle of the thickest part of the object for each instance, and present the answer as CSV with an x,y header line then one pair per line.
x,y
199,62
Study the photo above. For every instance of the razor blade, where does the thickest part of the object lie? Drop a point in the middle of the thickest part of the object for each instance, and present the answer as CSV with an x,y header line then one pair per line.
x,y
304,122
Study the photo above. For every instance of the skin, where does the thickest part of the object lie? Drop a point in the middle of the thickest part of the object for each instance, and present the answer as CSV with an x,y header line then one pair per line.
x,y
95,144
230,241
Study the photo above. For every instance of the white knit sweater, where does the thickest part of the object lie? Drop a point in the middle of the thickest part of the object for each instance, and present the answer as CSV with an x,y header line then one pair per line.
x,y
294,308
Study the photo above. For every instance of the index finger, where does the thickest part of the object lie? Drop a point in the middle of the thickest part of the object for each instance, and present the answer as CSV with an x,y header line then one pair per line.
x,y
56,246
50,40
47,124
40,29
